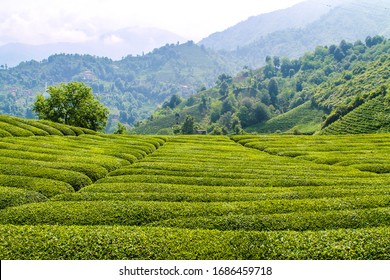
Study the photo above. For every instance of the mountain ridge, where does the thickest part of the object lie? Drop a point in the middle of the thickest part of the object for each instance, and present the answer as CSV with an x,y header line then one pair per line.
x,y
115,45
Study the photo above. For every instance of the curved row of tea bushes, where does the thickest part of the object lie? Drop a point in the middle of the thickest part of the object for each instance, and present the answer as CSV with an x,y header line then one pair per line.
x,y
204,197
93,171
13,121
14,130
46,187
110,163
362,152
111,212
302,221
150,243
178,193
282,181
76,179
283,192
77,161
22,127
14,197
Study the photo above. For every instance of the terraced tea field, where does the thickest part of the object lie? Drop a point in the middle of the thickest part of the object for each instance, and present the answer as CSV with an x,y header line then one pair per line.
x,y
195,197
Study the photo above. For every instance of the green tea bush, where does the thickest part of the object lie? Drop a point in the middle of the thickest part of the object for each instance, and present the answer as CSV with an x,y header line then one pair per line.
x,y
297,221
14,130
76,179
15,122
292,212
145,243
14,197
376,168
46,187
108,162
185,193
4,133
49,129
93,171
65,129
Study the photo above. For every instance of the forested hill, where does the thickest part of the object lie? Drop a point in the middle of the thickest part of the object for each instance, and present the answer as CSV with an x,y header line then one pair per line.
x,y
131,88
304,95
296,30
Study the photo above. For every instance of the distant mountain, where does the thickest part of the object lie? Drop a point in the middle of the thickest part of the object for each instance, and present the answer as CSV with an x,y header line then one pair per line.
x,y
257,27
131,88
115,45
296,30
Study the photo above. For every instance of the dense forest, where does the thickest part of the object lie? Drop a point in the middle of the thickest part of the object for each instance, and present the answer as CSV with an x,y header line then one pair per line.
x,y
131,88
310,93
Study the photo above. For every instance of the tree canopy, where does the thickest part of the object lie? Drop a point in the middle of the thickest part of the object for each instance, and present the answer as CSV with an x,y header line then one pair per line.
x,y
72,103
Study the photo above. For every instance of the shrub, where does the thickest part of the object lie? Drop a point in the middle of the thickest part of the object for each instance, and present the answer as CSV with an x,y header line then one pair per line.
x,y
15,122
14,130
135,243
93,171
14,197
64,129
46,187
76,179
4,133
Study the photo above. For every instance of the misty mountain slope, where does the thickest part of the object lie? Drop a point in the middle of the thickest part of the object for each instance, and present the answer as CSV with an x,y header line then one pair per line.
x,y
256,27
349,20
348,23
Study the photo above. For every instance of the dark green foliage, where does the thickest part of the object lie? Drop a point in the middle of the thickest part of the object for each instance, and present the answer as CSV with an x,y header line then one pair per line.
x,y
333,80
72,104
132,87
188,125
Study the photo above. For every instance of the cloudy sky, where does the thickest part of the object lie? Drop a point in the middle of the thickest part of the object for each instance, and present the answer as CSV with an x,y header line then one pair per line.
x,y
46,21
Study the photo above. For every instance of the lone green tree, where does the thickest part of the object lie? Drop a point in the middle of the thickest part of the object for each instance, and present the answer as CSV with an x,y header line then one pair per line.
x,y
72,104
188,126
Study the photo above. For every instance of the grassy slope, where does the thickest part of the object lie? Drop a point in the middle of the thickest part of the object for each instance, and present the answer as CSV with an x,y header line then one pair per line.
x,y
371,117
304,118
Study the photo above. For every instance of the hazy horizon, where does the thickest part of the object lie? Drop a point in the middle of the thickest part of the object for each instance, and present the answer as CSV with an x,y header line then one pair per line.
x,y
78,21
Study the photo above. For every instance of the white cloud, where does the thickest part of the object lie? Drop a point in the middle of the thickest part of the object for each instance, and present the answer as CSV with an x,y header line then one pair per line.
x,y
42,21
112,40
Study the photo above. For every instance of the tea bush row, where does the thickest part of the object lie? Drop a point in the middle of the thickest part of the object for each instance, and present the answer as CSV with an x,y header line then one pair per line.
x,y
283,192
14,197
23,127
46,187
188,193
144,212
344,150
76,179
277,181
93,171
301,221
107,162
134,243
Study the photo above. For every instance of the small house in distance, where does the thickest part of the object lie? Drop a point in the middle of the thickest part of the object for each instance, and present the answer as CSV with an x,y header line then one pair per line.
x,y
201,132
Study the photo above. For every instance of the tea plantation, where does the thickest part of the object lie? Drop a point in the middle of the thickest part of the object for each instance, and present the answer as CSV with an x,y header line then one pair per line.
x,y
194,197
